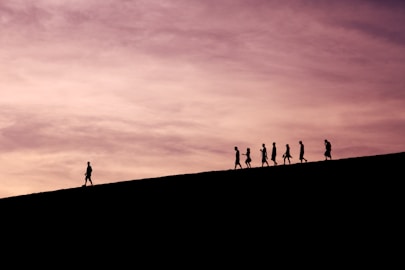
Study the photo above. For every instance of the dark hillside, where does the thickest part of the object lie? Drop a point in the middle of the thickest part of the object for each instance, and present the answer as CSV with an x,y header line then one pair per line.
x,y
316,206
323,184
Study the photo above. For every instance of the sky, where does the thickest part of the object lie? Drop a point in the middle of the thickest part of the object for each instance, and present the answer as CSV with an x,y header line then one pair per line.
x,y
151,88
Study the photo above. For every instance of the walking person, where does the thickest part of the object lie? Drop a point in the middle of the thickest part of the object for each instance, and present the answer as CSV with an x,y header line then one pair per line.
x,y
274,154
287,154
248,159
328,150
237,158
87,174
302,152
264,155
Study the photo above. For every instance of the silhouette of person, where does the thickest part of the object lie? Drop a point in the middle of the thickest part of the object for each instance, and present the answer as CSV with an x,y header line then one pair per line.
x,y
328,150
302,152
89,170
274,153
287,154
264,155
237,158
248,159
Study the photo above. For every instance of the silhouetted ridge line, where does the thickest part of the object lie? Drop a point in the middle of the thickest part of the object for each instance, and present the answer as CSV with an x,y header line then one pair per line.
x,y
342,174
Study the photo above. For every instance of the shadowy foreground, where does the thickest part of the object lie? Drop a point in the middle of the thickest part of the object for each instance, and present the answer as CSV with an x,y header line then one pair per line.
x,y
353,203
320,187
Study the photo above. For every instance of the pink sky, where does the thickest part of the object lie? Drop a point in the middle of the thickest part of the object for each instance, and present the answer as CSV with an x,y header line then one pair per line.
x,y
150,88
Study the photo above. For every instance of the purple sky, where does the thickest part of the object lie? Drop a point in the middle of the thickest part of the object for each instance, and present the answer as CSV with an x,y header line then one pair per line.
x,y
151,88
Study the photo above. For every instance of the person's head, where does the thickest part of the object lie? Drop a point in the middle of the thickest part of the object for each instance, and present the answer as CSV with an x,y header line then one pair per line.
x,y
236,148
300,142
274,143
88,162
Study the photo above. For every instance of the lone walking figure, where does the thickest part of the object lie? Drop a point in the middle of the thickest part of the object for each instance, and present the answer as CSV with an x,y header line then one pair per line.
x,y
89,170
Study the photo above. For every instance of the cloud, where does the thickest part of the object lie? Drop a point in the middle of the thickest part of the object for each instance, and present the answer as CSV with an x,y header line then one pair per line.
x,y
150,88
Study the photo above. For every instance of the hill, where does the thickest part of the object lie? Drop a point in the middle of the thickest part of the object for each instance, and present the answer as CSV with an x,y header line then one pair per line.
x,y
342,211
323,185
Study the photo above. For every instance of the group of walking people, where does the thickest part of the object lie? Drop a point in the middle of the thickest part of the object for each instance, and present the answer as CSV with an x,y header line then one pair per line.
x,y
286,156
248,160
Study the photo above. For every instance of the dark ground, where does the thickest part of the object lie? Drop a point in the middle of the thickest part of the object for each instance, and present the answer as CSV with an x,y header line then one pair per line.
x,y
332,210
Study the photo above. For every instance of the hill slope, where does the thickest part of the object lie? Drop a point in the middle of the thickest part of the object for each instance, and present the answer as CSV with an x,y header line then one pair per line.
x,y
337,212
352,178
